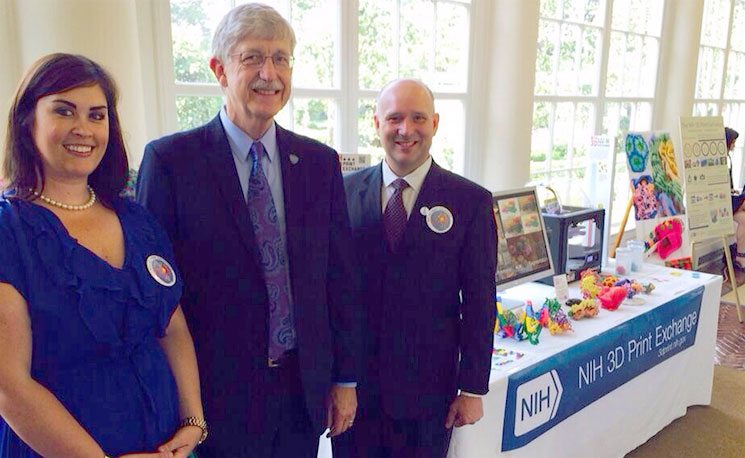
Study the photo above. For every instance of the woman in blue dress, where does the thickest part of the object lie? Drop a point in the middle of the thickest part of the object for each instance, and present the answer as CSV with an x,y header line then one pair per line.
x,y
96,359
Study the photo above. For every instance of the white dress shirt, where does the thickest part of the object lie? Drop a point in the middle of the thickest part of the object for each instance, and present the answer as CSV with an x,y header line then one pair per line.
x,y
415,180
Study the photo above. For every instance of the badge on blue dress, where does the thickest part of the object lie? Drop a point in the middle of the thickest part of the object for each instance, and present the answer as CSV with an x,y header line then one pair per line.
x,y
160,270
439,218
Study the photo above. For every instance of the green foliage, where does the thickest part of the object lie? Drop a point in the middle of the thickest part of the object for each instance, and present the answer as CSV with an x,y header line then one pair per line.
x,y
540,116
559,152
548,8
366,136
375,44
191,42
538,156
195,111
567,50
445,158
316,61
546,49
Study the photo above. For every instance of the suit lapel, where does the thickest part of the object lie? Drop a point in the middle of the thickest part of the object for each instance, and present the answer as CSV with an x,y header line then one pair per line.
x,y
226,177
370,199
292,167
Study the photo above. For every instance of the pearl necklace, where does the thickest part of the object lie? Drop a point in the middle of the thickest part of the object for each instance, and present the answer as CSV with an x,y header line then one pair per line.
x,y
85,206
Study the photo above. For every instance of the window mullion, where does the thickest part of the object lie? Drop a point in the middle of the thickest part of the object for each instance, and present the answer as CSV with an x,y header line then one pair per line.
x,y
726,54
570,149
578,56
550,146
601,100
557,47
433,42
397,40
349,78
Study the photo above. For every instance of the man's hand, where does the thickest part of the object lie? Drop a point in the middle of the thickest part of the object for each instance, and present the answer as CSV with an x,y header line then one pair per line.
x,y
342,408
465,410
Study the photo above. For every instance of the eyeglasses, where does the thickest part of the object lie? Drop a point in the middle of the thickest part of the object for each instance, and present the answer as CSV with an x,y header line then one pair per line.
x,y
256,60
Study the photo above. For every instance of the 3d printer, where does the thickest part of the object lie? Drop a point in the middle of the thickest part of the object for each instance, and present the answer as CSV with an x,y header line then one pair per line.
x,y
575,236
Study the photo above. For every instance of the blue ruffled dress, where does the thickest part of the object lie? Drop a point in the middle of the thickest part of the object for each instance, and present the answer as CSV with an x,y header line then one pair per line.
x,y
95,328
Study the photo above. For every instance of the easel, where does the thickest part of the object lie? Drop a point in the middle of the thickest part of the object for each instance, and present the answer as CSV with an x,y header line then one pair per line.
x,y
727,255
623,225
731,270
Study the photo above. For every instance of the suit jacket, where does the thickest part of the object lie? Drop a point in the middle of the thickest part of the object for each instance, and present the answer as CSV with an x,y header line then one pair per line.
x,y
430,307
190,183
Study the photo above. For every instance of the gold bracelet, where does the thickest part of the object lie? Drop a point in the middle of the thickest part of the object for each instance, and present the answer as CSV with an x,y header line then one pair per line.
x,y
200,423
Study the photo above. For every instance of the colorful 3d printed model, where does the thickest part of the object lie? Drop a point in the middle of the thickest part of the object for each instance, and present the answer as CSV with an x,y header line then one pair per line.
x,y
611,299
584,308
666,238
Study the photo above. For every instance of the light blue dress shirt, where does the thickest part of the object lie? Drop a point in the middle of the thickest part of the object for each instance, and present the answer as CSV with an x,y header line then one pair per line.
x,y
240,145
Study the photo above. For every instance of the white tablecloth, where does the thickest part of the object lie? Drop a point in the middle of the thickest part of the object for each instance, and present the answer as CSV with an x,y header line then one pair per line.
x,y
627,416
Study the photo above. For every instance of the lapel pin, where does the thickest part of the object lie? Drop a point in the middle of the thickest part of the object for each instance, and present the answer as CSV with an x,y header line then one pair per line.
x,y
439,219
424,211
160,270
294,159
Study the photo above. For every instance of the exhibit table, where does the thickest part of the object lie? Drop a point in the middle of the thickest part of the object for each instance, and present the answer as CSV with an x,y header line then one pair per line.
x,y
608,386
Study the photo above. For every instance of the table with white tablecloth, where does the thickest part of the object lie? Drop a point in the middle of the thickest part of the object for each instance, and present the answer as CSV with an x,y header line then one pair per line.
x,y
608,386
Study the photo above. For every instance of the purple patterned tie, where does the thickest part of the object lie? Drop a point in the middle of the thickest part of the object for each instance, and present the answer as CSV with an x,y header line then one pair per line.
x,y
394,217
272,249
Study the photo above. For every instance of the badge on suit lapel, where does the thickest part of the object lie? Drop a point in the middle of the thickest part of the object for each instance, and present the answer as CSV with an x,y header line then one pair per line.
x,y
160,270
294,159
439,219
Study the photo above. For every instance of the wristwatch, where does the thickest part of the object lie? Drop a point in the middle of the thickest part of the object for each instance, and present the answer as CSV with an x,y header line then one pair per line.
x,y
200,423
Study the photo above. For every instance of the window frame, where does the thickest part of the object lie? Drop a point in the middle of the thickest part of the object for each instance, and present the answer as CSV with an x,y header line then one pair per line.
x,y
348,94
600,101
721,101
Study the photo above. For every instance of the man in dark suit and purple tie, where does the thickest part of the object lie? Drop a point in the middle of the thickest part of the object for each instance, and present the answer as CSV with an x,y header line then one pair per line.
x,y
258,220
427,249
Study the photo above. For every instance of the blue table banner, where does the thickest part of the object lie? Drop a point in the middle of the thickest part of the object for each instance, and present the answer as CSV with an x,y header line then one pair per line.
x,y
541,396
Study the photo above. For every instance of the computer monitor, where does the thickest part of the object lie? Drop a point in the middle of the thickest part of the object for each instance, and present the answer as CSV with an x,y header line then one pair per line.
x,y
523,253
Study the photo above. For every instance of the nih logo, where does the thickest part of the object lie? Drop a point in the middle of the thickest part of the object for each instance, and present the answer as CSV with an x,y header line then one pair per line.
x,y
537,402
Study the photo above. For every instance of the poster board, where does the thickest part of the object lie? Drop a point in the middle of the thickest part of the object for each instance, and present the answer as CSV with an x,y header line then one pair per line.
x,y
599,180
658,192
351,162
706,177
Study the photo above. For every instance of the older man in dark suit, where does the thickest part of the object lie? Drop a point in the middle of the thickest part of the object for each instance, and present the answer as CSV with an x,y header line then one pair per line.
x,y
259,224
427,256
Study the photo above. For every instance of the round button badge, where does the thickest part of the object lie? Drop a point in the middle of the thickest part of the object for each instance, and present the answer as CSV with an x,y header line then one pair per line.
x,y
160,270
439,219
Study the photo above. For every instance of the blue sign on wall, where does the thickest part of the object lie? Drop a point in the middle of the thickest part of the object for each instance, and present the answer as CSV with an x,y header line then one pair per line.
x,y
540,396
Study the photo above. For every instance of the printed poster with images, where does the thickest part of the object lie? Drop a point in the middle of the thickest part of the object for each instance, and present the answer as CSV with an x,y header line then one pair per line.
x,y
657,193
521,245
706,177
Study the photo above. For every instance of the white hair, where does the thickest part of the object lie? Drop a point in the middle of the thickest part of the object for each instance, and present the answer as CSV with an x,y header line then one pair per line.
x,y
251,20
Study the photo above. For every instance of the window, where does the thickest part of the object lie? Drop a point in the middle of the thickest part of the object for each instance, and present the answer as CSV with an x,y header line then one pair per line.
x,y
596,68
346,51
720,78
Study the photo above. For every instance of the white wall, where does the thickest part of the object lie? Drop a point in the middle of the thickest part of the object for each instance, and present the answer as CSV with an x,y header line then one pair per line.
x,y
510,72
676,80
10,71
103,30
